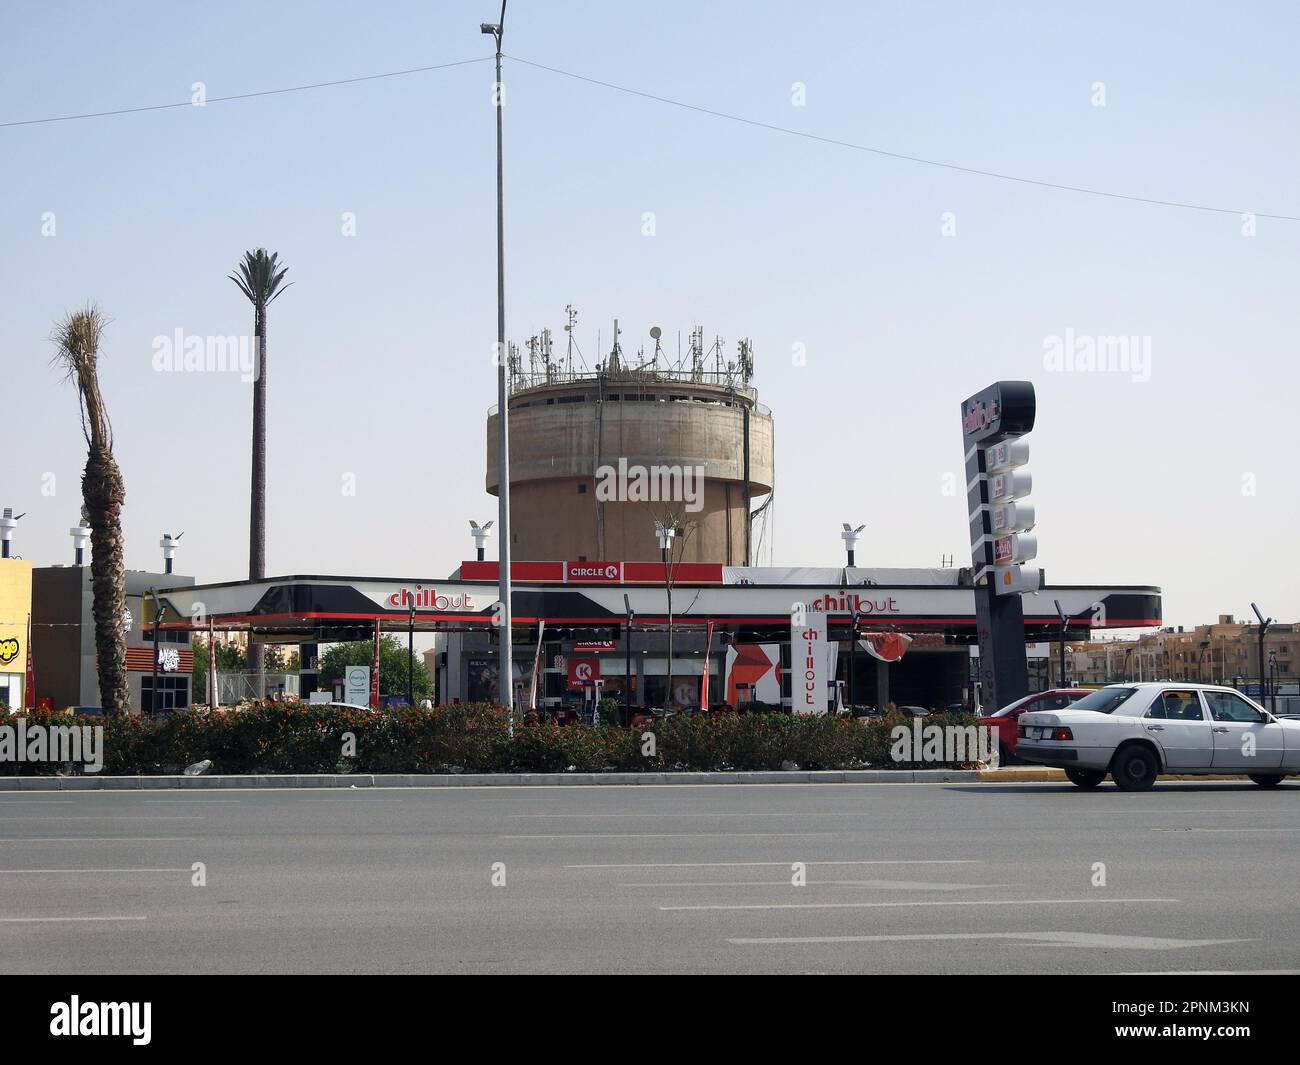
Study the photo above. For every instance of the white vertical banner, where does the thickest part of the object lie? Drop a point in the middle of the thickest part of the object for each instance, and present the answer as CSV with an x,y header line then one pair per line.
x,y
537,666
807,660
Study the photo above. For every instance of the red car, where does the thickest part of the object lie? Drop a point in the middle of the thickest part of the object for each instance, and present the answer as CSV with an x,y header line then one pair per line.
x,y
1005,720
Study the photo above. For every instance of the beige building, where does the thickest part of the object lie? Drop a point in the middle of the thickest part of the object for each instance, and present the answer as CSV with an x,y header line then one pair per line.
x,y
597,458
1223,652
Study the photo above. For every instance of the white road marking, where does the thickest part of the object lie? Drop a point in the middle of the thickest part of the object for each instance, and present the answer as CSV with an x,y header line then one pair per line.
x,y
892,905
1093,940
675,835
1193,829
62,920
711,815
1218,972
96,839
883,885
115,817
815,861
186,870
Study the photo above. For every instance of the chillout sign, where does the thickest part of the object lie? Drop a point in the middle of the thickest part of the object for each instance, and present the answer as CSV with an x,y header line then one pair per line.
x,y
844,602
808,660
428,599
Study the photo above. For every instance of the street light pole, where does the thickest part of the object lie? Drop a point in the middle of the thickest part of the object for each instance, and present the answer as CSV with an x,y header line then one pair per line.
x,y
410,657
157,620
505,658
853,659
1065,621
665,534
627,663
1264,623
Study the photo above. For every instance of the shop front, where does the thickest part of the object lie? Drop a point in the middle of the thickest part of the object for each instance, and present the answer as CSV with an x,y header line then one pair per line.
x,y
887,636
15,630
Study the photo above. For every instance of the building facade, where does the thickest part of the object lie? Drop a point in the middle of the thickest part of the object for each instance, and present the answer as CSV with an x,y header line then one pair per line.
x,y
15,627
64,640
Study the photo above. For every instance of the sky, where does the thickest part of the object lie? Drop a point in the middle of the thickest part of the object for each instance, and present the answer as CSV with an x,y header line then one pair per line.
x,y
906,287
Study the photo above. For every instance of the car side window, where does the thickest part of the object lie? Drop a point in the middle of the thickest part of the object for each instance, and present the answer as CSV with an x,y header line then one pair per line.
x,y
1177,706
1229,706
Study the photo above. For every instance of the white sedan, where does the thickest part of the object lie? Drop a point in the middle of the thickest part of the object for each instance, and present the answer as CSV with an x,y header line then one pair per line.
x,y
1135,732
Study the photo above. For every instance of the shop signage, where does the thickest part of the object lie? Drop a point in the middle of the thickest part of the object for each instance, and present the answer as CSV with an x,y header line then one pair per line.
x,y
807,660
593,572
581,672
429,599
356,685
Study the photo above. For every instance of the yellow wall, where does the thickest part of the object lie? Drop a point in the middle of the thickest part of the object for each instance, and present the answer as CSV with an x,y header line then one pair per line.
x,y
15,606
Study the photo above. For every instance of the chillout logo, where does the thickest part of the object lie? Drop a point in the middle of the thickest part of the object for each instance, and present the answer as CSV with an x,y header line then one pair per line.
x,y
133,1019
429,599
844,602
8,651
979,414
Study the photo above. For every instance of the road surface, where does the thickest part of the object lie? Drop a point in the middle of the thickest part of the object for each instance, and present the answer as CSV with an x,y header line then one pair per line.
x,y
979,878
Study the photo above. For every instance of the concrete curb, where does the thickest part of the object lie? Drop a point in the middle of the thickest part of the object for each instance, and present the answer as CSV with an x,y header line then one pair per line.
x,y
474,780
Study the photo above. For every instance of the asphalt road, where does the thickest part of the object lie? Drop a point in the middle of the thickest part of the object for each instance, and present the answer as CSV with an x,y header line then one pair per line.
x,y
979,878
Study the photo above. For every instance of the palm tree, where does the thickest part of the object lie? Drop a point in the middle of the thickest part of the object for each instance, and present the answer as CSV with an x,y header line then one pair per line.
x,y
77,338
259,277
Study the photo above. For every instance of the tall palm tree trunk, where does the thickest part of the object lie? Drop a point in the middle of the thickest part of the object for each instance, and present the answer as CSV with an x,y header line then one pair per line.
x,y
257,497
77,337
260,277
104,493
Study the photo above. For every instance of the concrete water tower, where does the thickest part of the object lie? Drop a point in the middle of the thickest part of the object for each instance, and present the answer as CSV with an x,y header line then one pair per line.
x,y
597,456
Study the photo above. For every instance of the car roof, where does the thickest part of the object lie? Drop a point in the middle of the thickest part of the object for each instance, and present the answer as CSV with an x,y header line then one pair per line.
x,y
1181,685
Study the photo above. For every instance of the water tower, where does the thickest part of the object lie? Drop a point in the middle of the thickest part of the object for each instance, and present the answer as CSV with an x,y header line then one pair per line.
x,y
597,456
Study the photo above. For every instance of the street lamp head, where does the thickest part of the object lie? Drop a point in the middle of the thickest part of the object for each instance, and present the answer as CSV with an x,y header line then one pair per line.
x,y
488,27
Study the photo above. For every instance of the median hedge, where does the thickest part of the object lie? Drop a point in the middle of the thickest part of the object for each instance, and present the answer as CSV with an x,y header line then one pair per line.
x,y
475,738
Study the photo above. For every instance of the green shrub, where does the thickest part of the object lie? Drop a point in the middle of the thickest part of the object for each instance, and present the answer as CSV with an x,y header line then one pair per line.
x,y
292,737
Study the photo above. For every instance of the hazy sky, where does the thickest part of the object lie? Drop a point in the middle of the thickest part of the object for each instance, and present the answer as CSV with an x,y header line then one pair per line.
x,y
380,353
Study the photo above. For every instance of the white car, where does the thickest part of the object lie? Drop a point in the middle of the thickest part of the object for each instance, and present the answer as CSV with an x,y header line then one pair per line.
x,y
1135,732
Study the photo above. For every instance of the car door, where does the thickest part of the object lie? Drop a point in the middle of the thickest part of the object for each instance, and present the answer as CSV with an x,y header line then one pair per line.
x,y
1246,739
1176,721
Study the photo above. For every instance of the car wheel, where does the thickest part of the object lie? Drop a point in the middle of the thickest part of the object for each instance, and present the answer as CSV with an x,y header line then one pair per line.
x,y
1135,768
1266,780
1005,757
1086,778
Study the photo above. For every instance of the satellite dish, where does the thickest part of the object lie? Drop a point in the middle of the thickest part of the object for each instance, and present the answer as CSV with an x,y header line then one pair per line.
x,y
655,332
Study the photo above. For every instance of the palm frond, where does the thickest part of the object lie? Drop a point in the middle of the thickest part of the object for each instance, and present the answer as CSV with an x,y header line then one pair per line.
x,y
76,338
260,277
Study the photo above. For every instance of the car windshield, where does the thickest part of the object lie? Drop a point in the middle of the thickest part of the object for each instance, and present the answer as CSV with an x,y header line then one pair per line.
x,y
1103,700
1010,708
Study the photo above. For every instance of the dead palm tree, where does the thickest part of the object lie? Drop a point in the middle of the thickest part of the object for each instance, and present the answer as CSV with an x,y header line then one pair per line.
x,y
77,338
259,277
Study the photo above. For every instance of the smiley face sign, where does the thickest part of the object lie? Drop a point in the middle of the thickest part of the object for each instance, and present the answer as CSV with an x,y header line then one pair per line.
x,y
8,651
